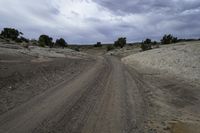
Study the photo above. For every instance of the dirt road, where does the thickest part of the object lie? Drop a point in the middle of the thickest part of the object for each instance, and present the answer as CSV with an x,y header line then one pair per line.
x,y
108,98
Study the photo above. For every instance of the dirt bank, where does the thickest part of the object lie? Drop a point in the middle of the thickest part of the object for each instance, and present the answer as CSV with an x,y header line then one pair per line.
x,y
182,60
25,73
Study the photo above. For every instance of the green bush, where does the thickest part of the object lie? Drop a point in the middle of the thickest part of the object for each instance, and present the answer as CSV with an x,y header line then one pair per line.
x,y
121,42
77,49
98,44
61,43
42,45
168,39
1,37
110,47
45,40
34,42
146,45
11,33
23,39
26,45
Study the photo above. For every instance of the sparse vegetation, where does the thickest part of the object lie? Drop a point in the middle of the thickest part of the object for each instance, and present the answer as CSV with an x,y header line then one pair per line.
x,y
121,42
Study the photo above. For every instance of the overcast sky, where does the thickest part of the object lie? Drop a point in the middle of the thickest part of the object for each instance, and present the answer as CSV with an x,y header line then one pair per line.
x,y
89,21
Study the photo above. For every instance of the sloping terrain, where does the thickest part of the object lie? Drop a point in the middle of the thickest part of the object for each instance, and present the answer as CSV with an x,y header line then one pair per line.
x,y
25,73
181,59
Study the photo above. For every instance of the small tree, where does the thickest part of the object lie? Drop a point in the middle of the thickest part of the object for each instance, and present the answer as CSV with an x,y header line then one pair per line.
x,y
61,43
11,33
45,40
147,41
98,44
146,45
168,39
121,42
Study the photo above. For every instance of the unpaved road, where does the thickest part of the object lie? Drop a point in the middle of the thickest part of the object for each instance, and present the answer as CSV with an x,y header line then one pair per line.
x,y
107,98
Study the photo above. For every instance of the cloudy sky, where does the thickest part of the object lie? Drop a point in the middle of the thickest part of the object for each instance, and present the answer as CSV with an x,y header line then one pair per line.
x,y
89,21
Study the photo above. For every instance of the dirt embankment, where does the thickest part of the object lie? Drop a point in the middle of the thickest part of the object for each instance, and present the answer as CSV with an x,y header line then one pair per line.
x,y
25,73
182,60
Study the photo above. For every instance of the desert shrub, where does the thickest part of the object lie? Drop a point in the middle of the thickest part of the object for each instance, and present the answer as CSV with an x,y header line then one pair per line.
x,y
1,37
121,42
11,33
34,42
168,39
98,44
77,49
147,41
8,40
26,45
42,45
45,40
18,40
146,45
154,43
61,43
187,40
23,39
110,47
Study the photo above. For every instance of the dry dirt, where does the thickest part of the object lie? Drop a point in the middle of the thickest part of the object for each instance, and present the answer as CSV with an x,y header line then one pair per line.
x,y
102,95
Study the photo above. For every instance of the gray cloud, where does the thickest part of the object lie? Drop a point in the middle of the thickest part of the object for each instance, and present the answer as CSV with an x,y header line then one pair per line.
x,y
88,21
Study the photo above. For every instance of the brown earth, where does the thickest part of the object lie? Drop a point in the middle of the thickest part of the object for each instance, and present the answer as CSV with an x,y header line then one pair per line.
x,y
99,95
